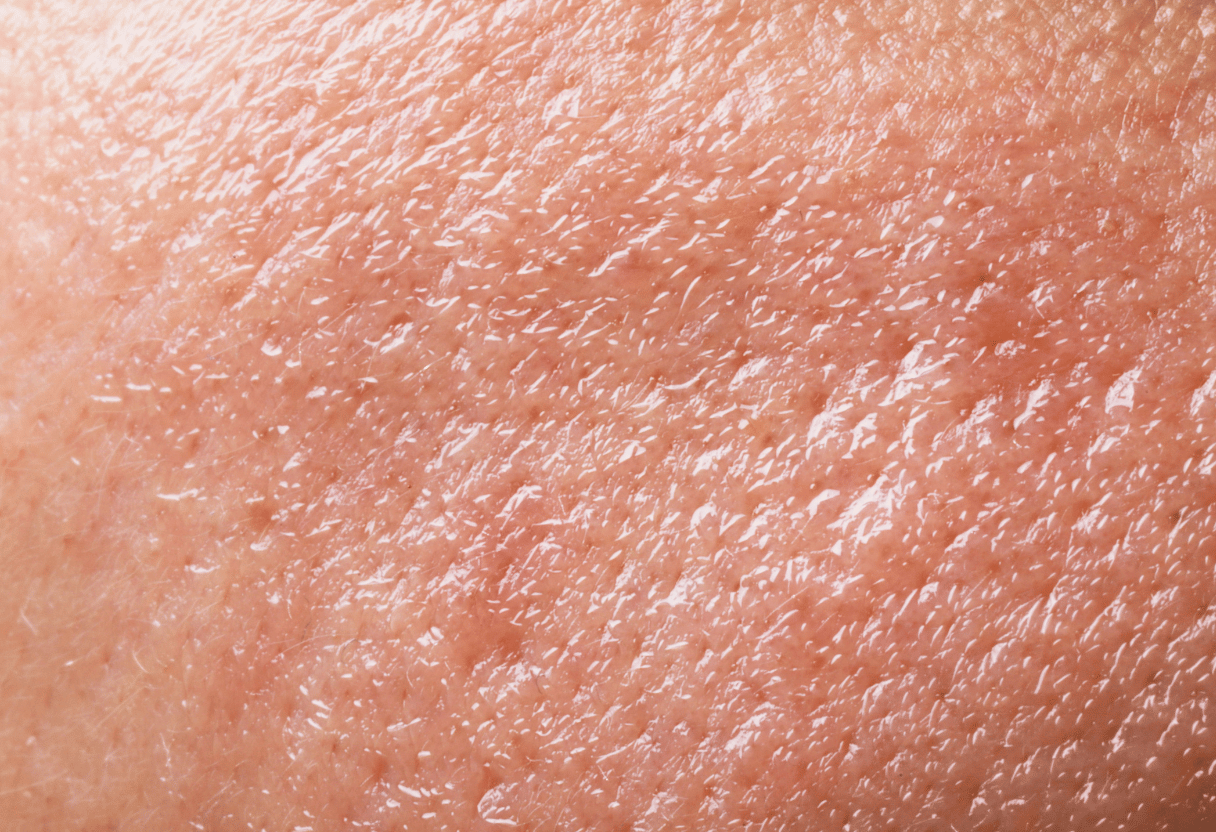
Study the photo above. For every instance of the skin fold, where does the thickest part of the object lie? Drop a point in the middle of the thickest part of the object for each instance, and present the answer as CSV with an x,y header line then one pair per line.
x,y
607,416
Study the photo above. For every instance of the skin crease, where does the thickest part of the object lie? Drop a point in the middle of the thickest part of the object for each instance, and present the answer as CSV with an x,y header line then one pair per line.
x,y
607,416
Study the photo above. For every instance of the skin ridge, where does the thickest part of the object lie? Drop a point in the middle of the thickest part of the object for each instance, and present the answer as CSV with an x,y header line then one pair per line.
x,y
233,678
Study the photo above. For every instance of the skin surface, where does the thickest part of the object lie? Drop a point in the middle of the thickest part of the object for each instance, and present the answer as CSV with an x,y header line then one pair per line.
x,y
441,415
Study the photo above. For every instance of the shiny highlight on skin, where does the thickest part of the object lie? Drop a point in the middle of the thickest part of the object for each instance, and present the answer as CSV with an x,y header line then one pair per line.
x,y
603,416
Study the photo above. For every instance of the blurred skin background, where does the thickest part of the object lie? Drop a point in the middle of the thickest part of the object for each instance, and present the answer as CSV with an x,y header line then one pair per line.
x,y
769,416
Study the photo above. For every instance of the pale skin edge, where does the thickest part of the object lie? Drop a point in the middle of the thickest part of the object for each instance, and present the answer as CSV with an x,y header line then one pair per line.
x,y
52,504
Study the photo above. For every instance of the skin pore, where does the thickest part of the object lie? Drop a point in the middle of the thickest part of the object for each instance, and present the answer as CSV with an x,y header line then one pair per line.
x,y
604,416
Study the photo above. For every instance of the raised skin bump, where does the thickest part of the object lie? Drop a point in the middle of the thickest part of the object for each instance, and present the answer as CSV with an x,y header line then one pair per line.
x,y
610,417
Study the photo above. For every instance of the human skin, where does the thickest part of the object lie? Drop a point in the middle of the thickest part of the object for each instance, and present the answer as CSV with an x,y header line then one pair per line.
x,y
607,416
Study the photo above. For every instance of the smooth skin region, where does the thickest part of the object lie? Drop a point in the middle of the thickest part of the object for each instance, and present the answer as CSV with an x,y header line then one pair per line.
x,y
614,415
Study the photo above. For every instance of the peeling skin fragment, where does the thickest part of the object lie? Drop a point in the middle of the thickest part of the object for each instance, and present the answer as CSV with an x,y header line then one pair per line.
x,y
610,416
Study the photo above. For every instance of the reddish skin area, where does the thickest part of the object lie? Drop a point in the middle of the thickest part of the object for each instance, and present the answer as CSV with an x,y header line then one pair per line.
x,y
616,416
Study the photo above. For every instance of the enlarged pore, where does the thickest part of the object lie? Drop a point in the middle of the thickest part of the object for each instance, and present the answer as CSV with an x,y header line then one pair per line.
x,y
634,418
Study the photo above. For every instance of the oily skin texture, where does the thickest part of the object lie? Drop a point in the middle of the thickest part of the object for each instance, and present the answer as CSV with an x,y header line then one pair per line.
x,y
611,416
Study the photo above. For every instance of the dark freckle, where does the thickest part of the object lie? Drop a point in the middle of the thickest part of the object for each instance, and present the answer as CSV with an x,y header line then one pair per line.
x,y
260,515
398,320
378,768
230,295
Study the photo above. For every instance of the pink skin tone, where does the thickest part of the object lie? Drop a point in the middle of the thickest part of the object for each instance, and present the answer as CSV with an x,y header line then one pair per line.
x,y
618,416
